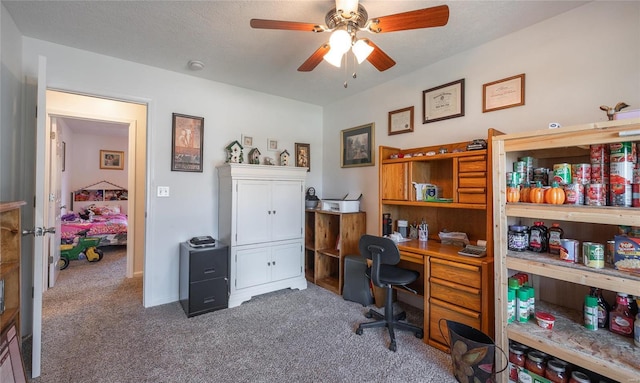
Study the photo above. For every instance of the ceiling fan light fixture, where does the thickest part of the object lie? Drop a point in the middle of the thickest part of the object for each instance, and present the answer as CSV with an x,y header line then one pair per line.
x,y
347,8
340,41
334,57
361,50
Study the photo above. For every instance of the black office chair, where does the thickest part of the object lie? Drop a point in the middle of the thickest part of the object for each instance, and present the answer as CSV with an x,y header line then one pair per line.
x,y
384,254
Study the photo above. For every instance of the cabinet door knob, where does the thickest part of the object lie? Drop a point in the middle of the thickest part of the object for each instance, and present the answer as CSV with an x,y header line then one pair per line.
x,y
274,263
274,212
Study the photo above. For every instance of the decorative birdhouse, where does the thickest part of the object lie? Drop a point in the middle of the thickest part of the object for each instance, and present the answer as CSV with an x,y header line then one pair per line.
x,y
234,153
284,158
254,156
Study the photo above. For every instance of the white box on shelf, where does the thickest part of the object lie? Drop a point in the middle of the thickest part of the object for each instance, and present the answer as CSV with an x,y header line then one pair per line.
x,y
341,206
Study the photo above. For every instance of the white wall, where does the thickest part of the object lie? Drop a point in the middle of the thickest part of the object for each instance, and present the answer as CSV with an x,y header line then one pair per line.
x,y
573,63
228,112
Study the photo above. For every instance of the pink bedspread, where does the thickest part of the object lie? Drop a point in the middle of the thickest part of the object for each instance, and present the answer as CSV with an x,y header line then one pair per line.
x,y
101,225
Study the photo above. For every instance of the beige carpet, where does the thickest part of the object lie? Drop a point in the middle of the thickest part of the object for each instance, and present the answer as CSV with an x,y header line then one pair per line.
x,y
96,330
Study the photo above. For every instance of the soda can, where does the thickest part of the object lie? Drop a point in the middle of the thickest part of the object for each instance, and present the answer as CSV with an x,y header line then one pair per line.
x,y
569,250
581,173
574,194
593,255
562,173
595,195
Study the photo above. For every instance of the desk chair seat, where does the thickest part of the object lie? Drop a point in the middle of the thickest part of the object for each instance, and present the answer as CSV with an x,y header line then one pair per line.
x,y
384,254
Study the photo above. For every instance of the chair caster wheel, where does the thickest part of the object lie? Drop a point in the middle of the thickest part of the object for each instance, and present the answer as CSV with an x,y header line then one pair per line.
x,y
402,316
393,347
368,315
420,335
359,331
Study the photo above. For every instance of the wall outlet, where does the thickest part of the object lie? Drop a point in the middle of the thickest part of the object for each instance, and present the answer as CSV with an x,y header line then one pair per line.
x,y
163,191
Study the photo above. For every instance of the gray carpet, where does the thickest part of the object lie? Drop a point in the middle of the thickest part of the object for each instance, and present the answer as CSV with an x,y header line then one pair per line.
x,y
96,330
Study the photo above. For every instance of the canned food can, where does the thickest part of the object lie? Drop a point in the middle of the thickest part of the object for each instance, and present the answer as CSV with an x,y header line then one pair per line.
x,y
635,195
620,195
621,172
514,178
520,166
581,173
599,173
599,153
593,255
574,194
542,175
569,250
595,195
562,173
609,252
636,176
622,152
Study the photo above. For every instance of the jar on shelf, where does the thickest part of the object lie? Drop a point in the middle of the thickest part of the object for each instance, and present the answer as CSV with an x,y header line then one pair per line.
x,y
535,362
579,377
538,237
518,237
556,372
620,318
516,358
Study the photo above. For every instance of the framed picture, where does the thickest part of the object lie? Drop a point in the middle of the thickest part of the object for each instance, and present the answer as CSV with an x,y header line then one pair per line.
x,y
401,121
443,102
111,159
303,156
64,156
272,144
502,94
187,143
247,141
357,146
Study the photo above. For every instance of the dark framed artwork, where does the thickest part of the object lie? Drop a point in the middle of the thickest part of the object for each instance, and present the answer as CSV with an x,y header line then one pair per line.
x,y
111,159
443,102
357,146
502,94
303,156
187,140
401,121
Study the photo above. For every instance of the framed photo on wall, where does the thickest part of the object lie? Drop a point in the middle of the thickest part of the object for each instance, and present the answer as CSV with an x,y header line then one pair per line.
x,y
187,135
357,146
502,94
401,121
303,156
111,159
443,102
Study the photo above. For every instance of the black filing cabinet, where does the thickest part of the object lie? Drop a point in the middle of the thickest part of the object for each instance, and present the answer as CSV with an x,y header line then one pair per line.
x,y
204,278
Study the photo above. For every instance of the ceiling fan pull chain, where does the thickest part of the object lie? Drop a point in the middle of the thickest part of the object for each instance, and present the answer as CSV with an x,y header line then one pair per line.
x,y
346,70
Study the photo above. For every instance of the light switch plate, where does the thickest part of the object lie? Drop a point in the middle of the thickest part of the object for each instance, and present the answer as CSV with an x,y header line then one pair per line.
x,y
163,191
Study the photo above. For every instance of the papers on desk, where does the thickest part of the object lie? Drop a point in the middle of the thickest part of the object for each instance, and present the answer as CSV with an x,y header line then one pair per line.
x,y
397,238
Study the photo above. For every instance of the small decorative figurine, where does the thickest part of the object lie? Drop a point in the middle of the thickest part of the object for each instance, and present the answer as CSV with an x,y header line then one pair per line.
x,y
268,161
611,111
254,156
284,158
234,153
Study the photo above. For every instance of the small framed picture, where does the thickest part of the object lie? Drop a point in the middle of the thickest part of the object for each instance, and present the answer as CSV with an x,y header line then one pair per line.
x,y
303,156
401,121
357,146
247,141
111,159
187,139
502,94
272,144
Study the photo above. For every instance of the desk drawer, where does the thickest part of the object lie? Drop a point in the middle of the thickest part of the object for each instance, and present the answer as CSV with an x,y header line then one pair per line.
x,y
472,164
462,273
440,309
463,296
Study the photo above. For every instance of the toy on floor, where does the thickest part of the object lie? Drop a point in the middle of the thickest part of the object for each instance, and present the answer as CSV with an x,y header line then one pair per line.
x,y
81,245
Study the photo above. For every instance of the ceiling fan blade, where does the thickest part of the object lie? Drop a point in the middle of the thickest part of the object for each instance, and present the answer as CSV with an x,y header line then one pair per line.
x,y
378,58
286,25
315,59
421,18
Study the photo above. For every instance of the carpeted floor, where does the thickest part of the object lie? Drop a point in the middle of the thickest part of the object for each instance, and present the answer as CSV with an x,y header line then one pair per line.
x,y
96,330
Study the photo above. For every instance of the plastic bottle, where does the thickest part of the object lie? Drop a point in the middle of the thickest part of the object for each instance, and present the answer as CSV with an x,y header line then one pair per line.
x,y
603,308
591,312
532,302
620,319
538,237
511,305
522,305
555,235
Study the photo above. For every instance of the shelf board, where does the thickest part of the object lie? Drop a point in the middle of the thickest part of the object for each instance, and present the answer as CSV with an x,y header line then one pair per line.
x,y
444,205
612,215
7,267
329,283
435,157
600,351
551,266
330,252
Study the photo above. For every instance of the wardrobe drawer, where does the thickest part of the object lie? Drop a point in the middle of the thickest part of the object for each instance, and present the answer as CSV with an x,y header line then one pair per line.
x,y
440,309
472,164
463,296
462,273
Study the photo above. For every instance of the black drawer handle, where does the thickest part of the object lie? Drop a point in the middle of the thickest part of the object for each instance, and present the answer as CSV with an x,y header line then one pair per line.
x,y
209,271
210,300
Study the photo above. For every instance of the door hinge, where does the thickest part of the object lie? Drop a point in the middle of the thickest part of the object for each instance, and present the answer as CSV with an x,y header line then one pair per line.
x,y
51,259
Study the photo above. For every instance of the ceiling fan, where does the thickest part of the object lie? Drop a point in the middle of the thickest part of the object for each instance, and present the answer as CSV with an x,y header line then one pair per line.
x,y
348,18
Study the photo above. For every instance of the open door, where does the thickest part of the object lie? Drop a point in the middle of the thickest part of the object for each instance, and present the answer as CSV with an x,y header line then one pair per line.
x,y
53,203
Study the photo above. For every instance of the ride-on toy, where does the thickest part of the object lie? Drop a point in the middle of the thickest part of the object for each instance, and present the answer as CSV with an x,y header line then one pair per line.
x,y
81,245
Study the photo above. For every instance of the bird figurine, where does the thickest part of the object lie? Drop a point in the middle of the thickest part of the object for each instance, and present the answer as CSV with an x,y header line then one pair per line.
x,y
611,111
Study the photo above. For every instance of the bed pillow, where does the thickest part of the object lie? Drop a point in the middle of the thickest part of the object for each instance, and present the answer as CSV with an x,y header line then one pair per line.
x,y
111,210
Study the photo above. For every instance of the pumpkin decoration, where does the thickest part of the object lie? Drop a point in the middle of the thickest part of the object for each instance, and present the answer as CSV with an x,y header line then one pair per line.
x,y
555,195
513,193
524,193
536,194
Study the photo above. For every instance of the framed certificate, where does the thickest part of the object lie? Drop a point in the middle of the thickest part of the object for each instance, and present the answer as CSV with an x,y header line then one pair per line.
x,y
443,102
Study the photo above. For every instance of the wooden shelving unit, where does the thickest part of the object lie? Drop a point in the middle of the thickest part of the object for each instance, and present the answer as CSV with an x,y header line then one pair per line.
x,y
560,286
10,241
330,236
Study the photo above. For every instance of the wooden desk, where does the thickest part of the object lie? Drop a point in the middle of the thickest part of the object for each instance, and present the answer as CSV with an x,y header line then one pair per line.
x,y
454,287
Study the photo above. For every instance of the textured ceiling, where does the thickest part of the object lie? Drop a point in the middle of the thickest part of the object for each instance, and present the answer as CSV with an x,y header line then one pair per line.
x,y
167,34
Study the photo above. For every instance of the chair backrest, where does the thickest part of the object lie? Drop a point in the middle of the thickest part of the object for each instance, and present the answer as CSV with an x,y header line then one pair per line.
x,y
382,251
